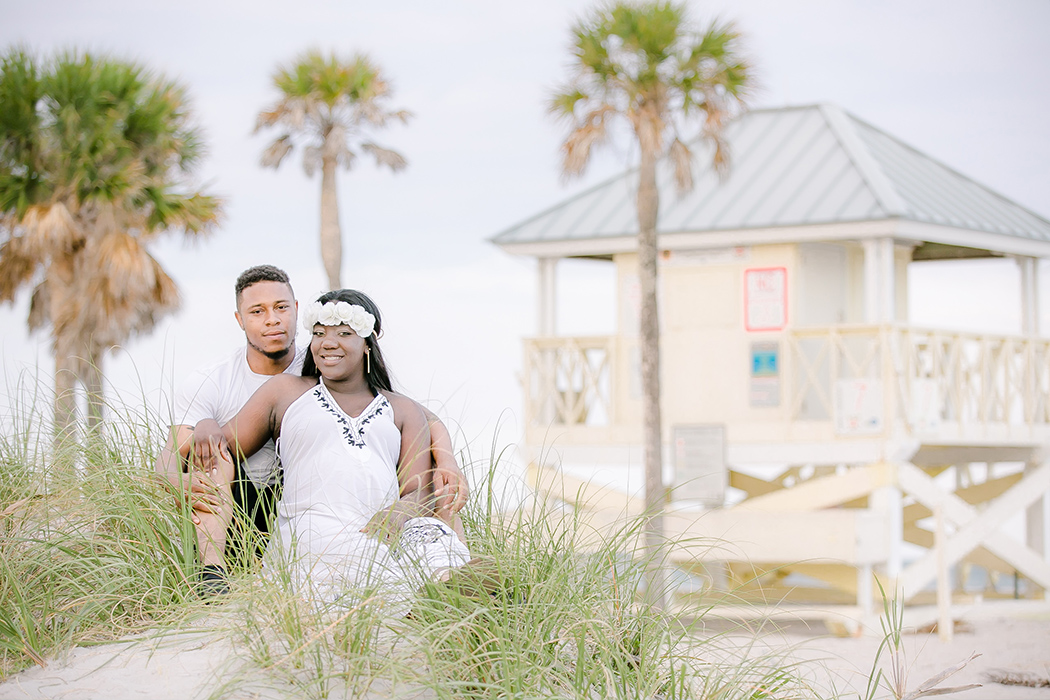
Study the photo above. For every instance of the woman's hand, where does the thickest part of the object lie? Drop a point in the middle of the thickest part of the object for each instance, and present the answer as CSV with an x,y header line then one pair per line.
x,y
386,525
209,446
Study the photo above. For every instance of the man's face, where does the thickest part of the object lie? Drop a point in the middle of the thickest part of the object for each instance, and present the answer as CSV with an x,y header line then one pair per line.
x,y
267,314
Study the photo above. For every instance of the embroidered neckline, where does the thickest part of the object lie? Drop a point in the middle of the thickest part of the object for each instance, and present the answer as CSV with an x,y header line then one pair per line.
x,y
353,428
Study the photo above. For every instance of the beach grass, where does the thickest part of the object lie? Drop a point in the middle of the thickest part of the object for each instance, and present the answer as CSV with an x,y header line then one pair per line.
x,y
552,609
94,548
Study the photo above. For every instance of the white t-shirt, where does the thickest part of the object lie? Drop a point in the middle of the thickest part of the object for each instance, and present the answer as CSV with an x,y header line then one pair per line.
x,y
219,392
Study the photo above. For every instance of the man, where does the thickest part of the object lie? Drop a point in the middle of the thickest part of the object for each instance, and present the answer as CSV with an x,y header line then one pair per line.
x,y
267,313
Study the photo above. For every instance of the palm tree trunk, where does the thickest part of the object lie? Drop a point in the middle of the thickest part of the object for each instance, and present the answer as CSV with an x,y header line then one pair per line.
x,y
655,495
331,237
91,376
65,421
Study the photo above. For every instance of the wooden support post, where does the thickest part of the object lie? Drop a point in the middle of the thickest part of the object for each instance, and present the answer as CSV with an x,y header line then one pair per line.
x,y
888,499
548,292
1037,527
865,593
871,281
1029,295
887,281
945,626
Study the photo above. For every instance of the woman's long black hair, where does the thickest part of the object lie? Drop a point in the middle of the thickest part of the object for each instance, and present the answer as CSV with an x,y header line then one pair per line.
x,y
378,377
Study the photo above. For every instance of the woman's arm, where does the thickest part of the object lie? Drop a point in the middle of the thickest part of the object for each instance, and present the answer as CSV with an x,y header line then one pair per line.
x,y
413,466
256,422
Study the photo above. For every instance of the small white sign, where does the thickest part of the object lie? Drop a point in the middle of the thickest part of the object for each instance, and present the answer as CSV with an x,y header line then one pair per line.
x,y
699,464
858,406
765,298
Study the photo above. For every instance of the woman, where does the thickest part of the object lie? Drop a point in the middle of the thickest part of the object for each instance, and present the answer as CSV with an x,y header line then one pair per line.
x,y
356,507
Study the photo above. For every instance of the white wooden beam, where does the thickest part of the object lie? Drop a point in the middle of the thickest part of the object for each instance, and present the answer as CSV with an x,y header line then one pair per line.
x,y
975,527
581,493
824,492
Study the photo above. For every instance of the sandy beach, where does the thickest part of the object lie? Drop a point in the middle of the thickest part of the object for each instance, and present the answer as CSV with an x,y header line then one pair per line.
x,y
198,664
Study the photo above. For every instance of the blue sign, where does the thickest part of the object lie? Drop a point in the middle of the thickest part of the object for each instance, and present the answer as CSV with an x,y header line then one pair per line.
x,y
764,359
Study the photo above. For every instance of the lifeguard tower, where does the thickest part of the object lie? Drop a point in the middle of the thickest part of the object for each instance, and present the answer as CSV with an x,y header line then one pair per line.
x,y
812,429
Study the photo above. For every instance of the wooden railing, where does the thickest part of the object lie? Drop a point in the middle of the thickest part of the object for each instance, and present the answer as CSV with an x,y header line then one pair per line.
x,y
568,381
863,377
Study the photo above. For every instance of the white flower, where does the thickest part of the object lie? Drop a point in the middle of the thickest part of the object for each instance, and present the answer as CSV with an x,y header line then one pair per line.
x,y
361,321
310,314
328,315
339,313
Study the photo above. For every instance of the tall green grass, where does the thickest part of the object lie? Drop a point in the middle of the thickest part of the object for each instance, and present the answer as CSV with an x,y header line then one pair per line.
x,y
556,610
91,545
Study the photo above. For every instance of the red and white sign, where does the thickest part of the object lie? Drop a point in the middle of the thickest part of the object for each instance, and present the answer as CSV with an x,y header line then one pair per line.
x,y
765,298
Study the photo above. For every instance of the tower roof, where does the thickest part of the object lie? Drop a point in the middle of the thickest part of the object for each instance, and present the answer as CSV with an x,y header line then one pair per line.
x,y
796,173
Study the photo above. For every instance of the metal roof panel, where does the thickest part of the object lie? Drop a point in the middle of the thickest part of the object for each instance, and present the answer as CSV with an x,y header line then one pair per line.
x,y
793,166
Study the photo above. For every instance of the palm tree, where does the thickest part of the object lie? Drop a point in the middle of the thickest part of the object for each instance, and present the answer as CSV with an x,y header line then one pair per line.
x,y
94,155
641,62
330,106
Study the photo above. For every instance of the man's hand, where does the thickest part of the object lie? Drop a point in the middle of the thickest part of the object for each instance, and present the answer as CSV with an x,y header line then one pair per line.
x,y
205,495
386,525
451,490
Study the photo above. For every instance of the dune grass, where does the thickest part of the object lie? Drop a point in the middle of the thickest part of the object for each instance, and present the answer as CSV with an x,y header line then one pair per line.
x,y
93,548
557,612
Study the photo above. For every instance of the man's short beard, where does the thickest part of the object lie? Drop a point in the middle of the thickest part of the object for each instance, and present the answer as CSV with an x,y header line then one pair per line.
x,y
272,354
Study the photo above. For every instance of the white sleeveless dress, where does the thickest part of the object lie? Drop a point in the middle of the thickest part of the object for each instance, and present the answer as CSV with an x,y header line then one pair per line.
x,y
339,471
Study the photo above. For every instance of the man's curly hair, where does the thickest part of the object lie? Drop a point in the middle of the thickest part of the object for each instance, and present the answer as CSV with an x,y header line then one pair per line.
x,y
260,273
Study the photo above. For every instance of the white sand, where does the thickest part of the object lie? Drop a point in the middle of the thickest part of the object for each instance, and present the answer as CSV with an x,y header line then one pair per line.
x,y
193,665
1016,643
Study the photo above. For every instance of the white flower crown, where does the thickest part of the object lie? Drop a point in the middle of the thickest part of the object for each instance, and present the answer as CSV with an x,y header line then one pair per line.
x,y
339,313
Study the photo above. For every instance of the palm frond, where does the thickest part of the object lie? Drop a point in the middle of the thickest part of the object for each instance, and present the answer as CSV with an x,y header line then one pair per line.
x,y
682,160
39,307
50,229
276,151
591,131
385,156
16,267
311,159
563,103
195,214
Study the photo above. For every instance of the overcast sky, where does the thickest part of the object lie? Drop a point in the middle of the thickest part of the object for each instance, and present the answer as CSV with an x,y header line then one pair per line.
x,y
965,82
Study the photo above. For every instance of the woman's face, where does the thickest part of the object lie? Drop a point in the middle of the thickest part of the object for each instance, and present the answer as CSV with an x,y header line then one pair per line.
x,y
338,351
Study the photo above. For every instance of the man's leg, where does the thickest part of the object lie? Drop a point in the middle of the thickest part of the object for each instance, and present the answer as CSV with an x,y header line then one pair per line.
x,y
255,509
213,521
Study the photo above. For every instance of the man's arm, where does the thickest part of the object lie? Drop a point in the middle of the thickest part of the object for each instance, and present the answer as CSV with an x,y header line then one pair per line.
x,y
413,473
451,490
